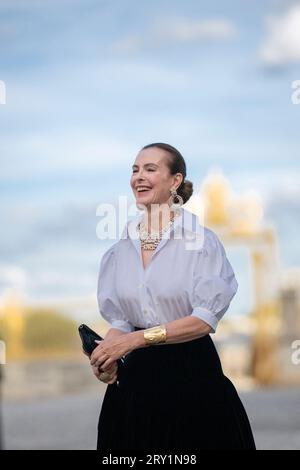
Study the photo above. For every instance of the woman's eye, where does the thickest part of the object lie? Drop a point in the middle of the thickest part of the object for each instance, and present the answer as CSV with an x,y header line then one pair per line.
x,y
149,169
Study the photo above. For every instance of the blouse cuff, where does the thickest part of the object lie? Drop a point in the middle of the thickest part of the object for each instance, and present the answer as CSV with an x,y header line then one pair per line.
x,y
207,316
122,325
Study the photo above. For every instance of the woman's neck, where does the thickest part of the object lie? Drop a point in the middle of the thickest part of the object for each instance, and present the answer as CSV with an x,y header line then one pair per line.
x,y
157,219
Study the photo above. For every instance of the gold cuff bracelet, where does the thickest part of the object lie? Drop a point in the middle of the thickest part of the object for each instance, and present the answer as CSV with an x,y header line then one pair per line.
x,y
157,334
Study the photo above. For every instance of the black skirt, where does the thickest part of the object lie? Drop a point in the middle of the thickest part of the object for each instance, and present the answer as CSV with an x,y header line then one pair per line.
x,y
173,397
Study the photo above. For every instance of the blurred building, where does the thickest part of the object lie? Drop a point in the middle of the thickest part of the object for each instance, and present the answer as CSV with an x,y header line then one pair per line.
x,y
258,346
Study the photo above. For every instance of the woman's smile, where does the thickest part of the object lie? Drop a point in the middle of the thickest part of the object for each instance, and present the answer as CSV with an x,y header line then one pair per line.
x,y
143,192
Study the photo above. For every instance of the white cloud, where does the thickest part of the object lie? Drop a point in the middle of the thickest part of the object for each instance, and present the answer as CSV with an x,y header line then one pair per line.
x,y
282,44
271,184
12,277
41,154
177,30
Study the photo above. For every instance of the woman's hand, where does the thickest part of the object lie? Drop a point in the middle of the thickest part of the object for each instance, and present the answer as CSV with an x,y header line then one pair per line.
x,y
111,349
112,373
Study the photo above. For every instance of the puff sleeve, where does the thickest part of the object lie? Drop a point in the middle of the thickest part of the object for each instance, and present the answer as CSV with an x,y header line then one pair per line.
x,y
214,282
108,302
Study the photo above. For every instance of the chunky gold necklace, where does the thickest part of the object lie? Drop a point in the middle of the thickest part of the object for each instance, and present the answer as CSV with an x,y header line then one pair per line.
x,y
150,241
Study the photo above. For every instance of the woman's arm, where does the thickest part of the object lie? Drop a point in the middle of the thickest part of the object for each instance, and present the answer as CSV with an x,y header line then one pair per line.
x,y
114,333
178,331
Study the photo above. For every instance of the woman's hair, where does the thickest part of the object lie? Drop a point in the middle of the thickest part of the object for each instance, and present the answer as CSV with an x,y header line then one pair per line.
x,y
176,164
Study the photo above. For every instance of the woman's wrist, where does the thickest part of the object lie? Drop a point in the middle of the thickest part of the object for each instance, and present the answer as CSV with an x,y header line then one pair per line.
x,y
114,333
137,339
149,336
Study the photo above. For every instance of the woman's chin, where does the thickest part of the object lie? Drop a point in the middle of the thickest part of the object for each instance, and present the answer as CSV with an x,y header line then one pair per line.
x,y
146,201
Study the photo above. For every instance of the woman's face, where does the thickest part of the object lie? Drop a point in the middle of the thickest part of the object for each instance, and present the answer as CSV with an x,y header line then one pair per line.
x,y
150,172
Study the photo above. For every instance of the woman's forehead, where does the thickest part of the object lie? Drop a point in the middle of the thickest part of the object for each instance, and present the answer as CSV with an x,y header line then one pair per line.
x,y
151,155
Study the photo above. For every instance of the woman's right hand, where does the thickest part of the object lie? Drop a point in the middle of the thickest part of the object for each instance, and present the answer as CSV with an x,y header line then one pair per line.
x,y
112,332
112,371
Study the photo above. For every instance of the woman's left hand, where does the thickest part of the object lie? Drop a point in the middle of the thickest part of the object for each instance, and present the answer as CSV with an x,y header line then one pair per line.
x,y
112,349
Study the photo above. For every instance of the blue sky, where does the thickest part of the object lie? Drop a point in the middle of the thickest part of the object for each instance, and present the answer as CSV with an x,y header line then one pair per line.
x,y
88,83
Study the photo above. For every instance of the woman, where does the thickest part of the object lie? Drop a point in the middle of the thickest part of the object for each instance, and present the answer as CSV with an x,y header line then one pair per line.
x,y
163,287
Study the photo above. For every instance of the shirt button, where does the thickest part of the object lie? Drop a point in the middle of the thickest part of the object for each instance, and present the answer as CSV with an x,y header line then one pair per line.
x,y
145,311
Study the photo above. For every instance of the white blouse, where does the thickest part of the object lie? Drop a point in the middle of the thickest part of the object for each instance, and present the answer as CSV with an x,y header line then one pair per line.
x,y
188,274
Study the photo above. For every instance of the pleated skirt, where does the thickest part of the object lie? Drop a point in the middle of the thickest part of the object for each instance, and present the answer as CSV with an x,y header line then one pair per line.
x,y
173,397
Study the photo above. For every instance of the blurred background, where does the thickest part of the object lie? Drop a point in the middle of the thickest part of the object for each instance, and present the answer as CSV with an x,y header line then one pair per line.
x,y
84,85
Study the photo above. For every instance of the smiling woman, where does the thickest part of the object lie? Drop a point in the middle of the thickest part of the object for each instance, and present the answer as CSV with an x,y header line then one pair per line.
x,y
172,392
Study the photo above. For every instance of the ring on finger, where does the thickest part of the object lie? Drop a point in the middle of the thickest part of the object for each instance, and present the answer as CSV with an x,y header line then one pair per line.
x,y
104,376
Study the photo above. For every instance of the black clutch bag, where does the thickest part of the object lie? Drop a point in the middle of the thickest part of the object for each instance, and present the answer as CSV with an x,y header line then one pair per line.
x,y
89,338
